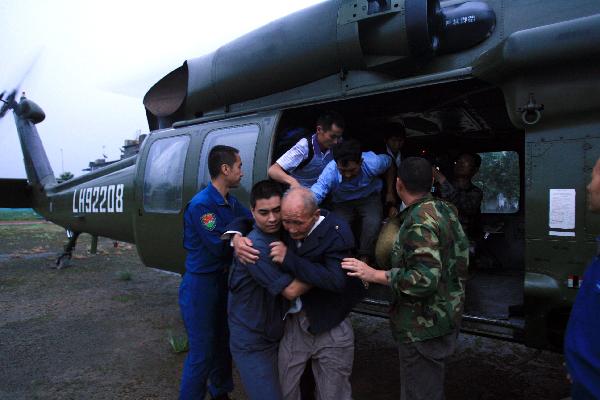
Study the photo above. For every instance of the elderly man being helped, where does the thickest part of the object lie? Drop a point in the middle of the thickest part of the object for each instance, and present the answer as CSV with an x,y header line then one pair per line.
x,y
317,327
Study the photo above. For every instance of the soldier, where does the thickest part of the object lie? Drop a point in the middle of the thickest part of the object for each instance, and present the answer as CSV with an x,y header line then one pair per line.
x,y
582,347
429,264
465,196
203,290
394,136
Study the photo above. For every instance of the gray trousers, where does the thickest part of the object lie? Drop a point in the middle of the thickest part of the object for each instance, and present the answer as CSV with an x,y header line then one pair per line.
x,y
369,212
332,355
422,367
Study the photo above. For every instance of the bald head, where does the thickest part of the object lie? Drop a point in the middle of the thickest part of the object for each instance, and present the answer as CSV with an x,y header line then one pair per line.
x,y
299,212
300,197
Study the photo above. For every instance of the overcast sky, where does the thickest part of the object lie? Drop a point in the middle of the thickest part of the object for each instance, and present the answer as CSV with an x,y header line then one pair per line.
x,y
96,60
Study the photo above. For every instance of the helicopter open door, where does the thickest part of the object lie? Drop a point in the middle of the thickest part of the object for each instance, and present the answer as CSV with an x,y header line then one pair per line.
x,y
164,167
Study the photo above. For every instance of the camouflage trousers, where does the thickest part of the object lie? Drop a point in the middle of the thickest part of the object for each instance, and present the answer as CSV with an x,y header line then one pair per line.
x,y
423,365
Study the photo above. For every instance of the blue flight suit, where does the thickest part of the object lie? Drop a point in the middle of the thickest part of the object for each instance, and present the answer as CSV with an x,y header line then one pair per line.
x,y
256,310
582,343
203,293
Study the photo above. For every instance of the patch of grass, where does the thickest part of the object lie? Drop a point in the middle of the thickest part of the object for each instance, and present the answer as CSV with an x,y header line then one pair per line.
x,y
179,344
18,214
124,275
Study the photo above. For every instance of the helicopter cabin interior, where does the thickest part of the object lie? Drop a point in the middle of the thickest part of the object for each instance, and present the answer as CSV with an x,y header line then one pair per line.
x,y
443,121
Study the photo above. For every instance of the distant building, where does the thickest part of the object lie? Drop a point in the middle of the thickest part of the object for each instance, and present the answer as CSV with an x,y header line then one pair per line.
x,y
131,147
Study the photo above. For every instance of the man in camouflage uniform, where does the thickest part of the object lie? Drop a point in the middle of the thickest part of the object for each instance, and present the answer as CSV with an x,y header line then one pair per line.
x,y
465,196
429,263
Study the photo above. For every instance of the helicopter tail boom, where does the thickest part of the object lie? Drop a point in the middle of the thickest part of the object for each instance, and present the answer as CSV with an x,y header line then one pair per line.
x,y
37,166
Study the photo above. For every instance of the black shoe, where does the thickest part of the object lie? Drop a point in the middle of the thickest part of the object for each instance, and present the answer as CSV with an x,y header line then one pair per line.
x,y
223,396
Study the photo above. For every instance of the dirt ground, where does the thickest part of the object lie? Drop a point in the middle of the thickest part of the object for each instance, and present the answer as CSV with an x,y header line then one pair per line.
x,y
89,332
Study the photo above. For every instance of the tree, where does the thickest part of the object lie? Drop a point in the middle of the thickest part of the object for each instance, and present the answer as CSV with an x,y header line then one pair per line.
x,y
65,176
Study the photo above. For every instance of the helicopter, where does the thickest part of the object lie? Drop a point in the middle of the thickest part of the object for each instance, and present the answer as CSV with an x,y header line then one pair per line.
x,y
516,82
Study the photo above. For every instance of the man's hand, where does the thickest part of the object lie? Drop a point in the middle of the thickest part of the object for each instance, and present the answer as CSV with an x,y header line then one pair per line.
x,y
362,271
278,252
243,250
439,177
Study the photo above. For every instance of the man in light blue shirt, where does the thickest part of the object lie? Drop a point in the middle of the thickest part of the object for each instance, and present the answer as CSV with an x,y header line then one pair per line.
x,y
353,181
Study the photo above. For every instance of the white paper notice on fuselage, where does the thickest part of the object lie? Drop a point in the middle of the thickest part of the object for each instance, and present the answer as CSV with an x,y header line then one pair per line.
x,y
562,209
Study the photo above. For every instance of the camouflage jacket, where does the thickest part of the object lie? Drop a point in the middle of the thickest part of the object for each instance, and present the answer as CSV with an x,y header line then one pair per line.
x,y
468,203
429,265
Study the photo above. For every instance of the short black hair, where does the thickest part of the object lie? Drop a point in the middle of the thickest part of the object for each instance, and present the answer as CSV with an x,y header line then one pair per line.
x,y
265,190
416,175
348,150
218,156
393,130
328,118
476,159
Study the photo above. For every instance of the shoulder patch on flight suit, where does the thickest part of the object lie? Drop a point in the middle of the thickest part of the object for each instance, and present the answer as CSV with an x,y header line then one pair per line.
x,y
209,221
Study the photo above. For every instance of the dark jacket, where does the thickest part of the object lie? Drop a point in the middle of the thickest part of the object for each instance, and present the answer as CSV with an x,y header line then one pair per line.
x,y
318,263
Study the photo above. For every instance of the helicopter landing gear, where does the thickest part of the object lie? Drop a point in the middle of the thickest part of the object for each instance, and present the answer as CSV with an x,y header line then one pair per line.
x,y
64,260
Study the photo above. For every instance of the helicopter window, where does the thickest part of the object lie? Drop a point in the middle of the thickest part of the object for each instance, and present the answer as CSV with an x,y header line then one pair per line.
x,y
163,178
498,177
242,138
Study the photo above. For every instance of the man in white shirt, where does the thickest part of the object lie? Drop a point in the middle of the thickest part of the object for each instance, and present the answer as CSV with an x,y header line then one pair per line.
x,y
302,164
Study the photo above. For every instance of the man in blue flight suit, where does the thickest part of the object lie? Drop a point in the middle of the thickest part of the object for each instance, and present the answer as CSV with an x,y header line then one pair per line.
x,y
352,179
203,290
582,346
258,299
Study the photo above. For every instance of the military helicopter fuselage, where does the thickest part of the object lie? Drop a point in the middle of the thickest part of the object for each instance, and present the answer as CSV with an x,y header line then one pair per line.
x,y
515,81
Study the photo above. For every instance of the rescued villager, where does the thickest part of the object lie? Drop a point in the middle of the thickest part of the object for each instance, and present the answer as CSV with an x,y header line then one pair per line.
x,y
582,347
353,181
258,299
302,163
317,326
429,263
203,290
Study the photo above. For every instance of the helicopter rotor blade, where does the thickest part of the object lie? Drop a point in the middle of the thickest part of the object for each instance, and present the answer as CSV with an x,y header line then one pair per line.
x,y
9,103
